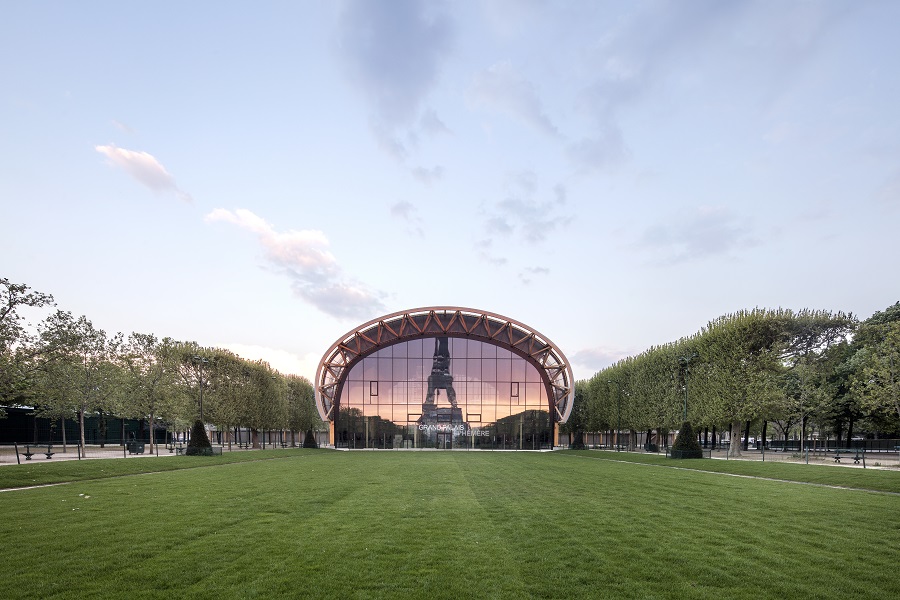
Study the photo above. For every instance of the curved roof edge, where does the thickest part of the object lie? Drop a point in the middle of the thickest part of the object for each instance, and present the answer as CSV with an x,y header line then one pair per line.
x,y
452,321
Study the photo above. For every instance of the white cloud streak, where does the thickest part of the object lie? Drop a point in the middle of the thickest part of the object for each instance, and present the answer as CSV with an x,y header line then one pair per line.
x,y
144,168
304,256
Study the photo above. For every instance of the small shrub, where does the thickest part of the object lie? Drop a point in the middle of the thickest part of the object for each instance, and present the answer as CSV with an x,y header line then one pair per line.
x,y
199,444
310,441
577,441
686,444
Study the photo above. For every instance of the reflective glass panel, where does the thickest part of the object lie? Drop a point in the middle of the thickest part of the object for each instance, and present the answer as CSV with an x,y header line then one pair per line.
x,y
444,393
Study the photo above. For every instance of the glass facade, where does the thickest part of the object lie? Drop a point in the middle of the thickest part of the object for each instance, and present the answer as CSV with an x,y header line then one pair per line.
x,y
443,392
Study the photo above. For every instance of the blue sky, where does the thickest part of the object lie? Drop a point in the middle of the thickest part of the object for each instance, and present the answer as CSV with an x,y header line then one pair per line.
x,y
265,176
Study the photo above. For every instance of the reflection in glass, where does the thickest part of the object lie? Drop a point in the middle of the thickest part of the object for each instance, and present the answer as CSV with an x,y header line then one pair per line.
x,y
444,393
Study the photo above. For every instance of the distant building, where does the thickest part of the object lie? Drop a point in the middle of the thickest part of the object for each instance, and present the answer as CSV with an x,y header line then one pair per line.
x,y
444,377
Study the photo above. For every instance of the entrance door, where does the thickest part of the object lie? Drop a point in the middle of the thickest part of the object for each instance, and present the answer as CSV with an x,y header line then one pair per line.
x,y
444,440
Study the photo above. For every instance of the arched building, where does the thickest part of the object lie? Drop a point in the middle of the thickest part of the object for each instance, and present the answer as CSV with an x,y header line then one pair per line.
x,y
444,377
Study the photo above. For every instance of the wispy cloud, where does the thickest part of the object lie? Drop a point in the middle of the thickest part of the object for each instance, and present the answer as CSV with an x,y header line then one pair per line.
x,y
124,128
594,359
604,148
428,176
486,252
392,52
522,215
706,232
304,257
500,87
409,215
144,168
657,49
527,275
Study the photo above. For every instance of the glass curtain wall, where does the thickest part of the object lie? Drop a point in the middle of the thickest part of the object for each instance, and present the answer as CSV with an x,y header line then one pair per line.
x,y
444,393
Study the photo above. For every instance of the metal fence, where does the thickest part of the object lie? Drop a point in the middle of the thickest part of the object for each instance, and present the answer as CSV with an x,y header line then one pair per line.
x,y
48,452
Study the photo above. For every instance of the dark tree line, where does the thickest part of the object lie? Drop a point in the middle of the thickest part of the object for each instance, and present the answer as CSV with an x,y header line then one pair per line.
x,y
65,367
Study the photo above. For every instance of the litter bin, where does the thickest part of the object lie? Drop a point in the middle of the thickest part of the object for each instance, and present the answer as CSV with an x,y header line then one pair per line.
x,y
135,447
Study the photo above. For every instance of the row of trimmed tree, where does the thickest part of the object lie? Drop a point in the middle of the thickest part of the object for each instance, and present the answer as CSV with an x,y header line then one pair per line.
x,y
66,368
755,368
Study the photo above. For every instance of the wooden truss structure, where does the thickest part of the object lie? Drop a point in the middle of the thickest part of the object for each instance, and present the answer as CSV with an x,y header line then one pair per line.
x,y
490,328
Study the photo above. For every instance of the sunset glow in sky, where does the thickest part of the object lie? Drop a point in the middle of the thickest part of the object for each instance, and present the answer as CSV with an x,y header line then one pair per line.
x,y
265,176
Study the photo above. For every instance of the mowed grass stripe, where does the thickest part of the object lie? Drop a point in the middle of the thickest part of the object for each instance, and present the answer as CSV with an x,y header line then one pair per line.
x,y
413,528
437,524
887,480
724,535
49,472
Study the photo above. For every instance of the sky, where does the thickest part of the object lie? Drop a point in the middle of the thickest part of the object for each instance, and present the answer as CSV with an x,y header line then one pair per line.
x,y
266,176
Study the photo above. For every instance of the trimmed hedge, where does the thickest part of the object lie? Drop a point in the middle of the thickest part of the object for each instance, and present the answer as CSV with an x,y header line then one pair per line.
x,y
686,444
198,438
310,441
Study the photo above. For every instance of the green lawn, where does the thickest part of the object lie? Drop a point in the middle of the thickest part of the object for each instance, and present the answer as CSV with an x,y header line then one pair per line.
x,y
323,524
854,477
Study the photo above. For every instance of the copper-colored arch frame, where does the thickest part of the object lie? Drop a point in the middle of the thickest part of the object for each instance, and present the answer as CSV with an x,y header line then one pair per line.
x,y
449,321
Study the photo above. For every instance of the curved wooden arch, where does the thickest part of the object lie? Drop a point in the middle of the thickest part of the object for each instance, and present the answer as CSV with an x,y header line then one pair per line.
x,y
448,321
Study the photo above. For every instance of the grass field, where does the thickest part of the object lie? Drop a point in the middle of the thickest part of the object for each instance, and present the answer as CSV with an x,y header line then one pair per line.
x,y
324,524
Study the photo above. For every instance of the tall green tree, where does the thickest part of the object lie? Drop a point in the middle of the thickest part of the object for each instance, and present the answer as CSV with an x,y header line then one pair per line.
x,y
808,336
877,378
18,346
737,355
302,414
81,366
153,384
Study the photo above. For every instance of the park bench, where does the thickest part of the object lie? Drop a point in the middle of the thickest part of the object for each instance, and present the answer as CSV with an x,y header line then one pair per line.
x,y
857,454
28,453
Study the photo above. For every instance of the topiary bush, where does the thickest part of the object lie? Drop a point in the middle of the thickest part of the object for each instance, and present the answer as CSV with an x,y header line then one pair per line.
x,y
310,441
199,444
686,444
577,442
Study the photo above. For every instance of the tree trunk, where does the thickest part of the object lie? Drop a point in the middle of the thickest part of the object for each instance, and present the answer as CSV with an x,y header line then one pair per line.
x,y
850,432
102,427
63,421
764,428
706,437
734,449
81,426
152,432
714,437
839,430
747,437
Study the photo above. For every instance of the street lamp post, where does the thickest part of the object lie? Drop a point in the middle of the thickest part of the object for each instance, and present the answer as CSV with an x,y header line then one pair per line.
x,y
618,412
200,361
